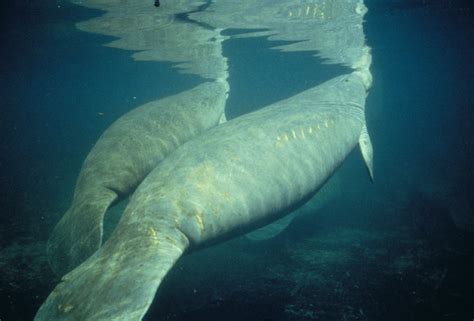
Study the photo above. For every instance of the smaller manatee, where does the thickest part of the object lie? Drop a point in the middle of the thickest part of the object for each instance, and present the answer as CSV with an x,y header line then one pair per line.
x,y
122,157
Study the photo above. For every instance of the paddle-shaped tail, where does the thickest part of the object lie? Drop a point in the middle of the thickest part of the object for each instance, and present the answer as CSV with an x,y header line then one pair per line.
x,y
79,232
120,280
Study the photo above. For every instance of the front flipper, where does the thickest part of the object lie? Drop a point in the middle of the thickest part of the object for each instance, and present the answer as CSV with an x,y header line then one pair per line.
x,y
366,149
79,232
119,281
272,230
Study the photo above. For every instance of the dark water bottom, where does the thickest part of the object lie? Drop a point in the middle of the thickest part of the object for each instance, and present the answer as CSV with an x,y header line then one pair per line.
x,y
339,274
325,266
333,274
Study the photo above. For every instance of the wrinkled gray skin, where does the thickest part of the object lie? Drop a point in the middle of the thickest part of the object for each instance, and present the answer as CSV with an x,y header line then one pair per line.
x,y
231,179
126,152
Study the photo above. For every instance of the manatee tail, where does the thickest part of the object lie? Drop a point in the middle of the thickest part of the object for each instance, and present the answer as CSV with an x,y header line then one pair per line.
x,y
79,232
119,281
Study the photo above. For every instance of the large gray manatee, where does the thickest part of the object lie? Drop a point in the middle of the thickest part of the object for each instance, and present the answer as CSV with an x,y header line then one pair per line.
x,y
122,157
227,181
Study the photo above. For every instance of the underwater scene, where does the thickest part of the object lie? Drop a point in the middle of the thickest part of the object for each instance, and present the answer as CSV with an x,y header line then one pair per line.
x,y
257,160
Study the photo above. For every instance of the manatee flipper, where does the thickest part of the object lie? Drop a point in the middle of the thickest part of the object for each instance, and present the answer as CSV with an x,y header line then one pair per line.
x,y
271,230
119,281
79,232
223,118
366,149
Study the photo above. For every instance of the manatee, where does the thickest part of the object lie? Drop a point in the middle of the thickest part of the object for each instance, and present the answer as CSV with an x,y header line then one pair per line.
x,y
326,195
229,180
126,152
